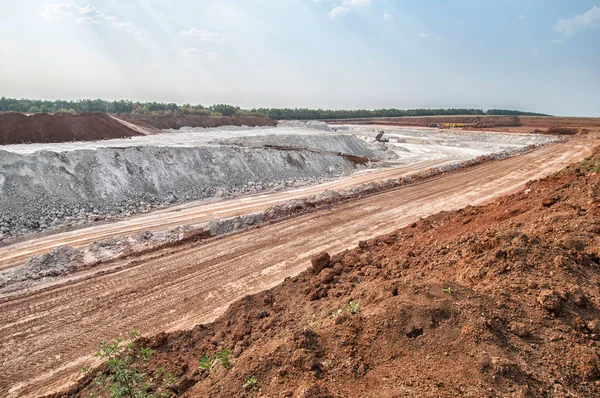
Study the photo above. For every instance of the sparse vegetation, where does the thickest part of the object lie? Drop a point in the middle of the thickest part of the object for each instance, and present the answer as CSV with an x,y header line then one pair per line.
x,y
311,322
591,165
335,314
448,290
210,362
251,382
353,307
123,377
224,358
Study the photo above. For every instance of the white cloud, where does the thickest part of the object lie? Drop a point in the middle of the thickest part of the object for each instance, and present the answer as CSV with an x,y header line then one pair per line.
x,y
426,34
521,16
572,26
354,3
535,52
557,41
192,52
387,16
88,15
202,35
338,11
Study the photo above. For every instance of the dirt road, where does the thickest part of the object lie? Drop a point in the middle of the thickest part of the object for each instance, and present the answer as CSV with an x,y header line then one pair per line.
x,y
47,333
198,213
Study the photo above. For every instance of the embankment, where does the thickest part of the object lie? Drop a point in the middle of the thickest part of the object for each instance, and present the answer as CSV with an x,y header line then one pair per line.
x,y
162,122
425,121
47,189
17,128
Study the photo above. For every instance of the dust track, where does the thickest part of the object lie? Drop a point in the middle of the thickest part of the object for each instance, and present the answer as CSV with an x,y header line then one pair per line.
x,y
48,332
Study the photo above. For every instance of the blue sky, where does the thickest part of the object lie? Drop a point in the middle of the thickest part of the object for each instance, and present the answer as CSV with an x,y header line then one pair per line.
x,y
535,55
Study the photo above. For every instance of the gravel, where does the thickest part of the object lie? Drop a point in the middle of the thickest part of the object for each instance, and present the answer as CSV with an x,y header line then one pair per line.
x,y
48,189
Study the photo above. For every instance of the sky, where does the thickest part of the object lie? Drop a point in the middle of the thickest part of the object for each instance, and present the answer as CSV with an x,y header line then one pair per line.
x,y
533,55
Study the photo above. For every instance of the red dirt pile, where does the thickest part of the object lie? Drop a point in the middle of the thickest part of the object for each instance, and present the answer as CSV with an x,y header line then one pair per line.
x,y
176,122
17,128
498,300
561,131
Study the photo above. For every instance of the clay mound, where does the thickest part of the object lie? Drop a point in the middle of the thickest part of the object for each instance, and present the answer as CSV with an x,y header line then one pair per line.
x,y
499,300
162,122
17,128
562,131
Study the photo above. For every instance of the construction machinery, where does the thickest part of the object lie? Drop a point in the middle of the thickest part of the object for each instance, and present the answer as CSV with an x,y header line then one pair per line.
x,y
380,138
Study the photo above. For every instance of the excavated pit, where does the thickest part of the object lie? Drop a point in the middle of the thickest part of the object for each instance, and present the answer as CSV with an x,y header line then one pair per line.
x,y
50,186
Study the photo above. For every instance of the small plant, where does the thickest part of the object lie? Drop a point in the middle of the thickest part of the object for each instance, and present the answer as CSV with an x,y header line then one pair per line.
x,y
353,307
448,290
335,314
596,168
251,382
311,322
224,358
124,379
208,363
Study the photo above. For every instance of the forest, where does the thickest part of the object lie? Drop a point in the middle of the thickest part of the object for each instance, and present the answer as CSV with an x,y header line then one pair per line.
x,y
160,108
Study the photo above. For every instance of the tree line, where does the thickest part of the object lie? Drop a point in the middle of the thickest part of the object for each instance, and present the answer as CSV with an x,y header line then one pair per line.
x,y
160,108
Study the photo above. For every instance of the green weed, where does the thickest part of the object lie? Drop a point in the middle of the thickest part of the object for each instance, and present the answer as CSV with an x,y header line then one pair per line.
x,y
251,382
353,307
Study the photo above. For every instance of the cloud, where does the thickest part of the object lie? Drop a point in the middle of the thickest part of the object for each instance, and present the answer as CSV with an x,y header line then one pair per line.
x,y
354,3
572,26
88,15
387,16
535,52
192,52
557,41
521,16
202,35
338,11
427,34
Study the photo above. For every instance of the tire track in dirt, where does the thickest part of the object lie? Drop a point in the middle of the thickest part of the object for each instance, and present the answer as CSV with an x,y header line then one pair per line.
x,y
49,332
194,213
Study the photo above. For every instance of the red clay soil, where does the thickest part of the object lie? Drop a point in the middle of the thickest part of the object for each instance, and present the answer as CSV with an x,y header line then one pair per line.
x,y
498,300
179,121
424,121
548,122
17,128
561,131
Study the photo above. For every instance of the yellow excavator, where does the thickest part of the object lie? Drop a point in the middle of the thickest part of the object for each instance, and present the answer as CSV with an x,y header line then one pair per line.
x,y
476,123
447,125
451,125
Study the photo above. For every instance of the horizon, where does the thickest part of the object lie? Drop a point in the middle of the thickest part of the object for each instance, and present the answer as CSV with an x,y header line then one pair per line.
x,y
317,54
